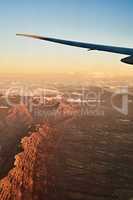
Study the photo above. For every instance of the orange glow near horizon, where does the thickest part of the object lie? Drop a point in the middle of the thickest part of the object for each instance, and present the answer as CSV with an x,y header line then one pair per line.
x,y
63,61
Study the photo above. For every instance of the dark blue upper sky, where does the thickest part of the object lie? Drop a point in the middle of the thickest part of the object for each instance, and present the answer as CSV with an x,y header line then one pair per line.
x,y
71,18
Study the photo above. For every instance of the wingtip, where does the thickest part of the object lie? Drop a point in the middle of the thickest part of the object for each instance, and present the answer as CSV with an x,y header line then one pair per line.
x,y
28,35
32,36
21,34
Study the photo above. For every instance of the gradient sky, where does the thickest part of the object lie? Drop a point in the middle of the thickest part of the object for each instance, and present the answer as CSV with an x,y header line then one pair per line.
x,y
96,21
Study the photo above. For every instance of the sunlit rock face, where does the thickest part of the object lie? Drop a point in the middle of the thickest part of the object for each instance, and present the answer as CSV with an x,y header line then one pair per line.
x,y
32,176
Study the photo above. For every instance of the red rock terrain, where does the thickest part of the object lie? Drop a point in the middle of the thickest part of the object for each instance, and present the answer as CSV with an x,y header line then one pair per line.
x,y
32,177
19,115
91,159
13,126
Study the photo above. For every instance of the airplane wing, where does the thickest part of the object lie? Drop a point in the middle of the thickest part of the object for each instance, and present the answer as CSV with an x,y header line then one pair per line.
x,y
89,46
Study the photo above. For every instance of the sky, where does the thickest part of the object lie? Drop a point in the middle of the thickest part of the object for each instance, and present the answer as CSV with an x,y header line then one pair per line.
x,y
96,21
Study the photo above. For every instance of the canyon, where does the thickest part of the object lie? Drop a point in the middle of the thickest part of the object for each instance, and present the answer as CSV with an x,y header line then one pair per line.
x,y
68,156
32,175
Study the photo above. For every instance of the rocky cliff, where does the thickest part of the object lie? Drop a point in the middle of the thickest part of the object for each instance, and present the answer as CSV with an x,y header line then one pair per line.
x,y
13,127
32,176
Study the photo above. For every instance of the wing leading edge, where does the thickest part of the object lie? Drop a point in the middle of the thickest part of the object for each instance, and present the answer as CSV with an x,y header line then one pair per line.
x,y
90,46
